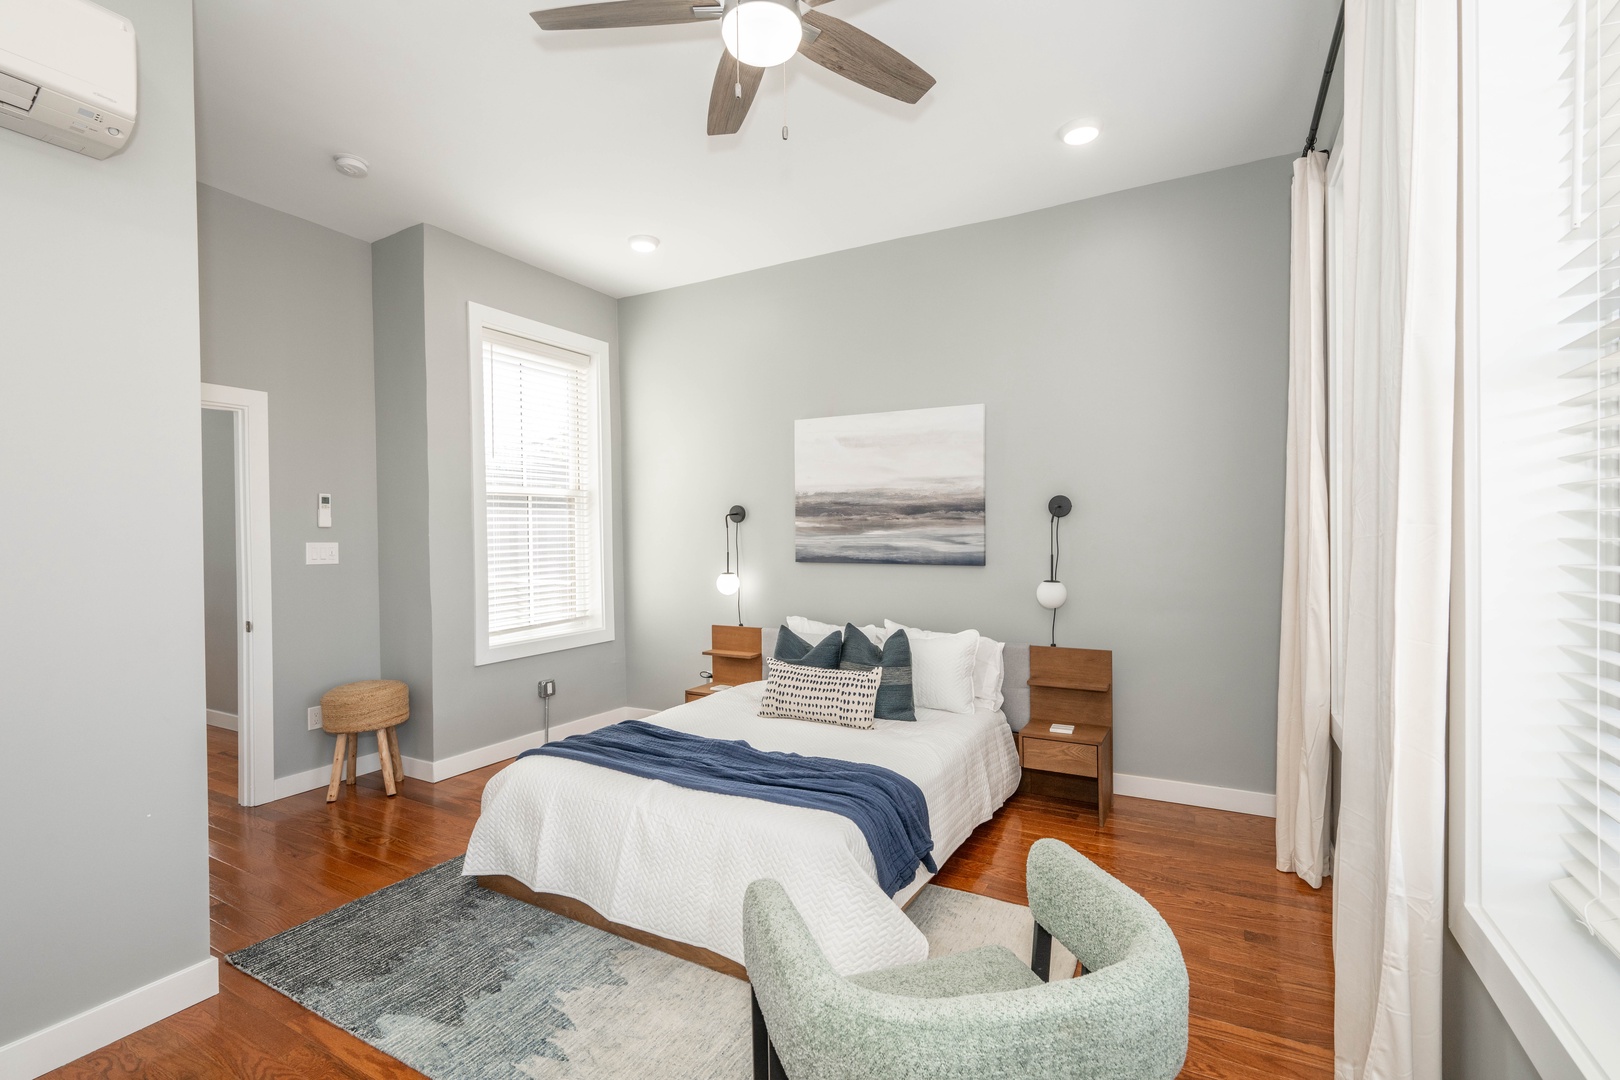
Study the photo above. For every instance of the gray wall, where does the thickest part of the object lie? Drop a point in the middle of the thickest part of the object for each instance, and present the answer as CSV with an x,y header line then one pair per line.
x,y
286,308
219,556
425,441
1477,1043
103,807
1131,352
405,603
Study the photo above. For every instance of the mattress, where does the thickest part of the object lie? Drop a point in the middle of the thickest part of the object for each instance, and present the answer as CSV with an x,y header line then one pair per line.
x,y
676,862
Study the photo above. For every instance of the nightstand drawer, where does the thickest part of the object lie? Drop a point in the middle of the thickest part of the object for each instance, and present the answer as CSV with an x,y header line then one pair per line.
x,y
1076,759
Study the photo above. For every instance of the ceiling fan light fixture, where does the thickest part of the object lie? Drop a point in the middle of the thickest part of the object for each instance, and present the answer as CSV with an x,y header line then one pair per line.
x,y
644,245
1080,132
762,33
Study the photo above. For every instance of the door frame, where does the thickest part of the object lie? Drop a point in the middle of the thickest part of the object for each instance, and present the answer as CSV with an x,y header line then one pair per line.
x,y
255,656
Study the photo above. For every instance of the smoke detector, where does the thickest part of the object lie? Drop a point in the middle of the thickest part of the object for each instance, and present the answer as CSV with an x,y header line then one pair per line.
x,y
349,165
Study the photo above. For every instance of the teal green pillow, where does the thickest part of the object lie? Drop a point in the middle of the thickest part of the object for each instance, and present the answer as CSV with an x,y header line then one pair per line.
x,y
793,649
894,697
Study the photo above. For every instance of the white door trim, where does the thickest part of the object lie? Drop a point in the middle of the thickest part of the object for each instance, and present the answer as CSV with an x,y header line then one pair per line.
x,y
255,709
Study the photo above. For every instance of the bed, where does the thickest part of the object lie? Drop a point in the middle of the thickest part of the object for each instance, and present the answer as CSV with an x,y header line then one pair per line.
x,y
668,866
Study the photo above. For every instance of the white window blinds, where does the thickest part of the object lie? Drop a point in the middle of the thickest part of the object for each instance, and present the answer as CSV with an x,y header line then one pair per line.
x,y
1590,887
541,491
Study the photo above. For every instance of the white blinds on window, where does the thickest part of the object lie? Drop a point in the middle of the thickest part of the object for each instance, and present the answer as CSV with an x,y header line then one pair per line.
x,y
1591,887
539,473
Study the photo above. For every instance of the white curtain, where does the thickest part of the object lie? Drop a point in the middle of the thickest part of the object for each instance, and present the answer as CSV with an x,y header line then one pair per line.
x,y
1399,305
1304,677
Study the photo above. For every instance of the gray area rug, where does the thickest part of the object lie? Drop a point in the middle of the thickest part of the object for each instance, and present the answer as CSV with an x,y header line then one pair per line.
x,y
465,984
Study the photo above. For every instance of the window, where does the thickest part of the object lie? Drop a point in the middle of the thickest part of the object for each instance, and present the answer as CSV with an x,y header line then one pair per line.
x,y
1589,882
542,538
1534,729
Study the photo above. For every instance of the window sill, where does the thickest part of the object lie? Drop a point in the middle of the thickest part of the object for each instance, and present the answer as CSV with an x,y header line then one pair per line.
x,y
485,654
1530,1007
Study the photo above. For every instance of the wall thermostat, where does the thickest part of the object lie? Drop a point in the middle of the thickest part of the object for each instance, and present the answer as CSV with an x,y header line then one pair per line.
x,y
323,512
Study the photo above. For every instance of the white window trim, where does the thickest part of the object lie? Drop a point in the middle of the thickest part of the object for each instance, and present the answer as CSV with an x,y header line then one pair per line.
x,y
479,318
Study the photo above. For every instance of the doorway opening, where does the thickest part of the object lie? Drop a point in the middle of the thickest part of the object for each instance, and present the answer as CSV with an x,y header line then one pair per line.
x,y
236,591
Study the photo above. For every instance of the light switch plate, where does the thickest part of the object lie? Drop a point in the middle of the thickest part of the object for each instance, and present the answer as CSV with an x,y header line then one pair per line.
x,y
314,718
320,554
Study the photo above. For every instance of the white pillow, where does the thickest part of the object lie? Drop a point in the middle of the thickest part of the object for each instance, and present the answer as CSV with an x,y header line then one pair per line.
x,y
989,669
941,667
815,632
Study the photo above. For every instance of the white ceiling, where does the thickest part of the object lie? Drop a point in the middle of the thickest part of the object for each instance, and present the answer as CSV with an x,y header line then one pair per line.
x,y
554,148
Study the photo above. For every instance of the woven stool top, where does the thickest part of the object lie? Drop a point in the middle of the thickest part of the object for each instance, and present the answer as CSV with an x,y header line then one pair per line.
x,y
365,706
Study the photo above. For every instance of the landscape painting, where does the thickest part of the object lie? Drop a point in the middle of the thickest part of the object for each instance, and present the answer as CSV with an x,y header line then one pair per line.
x,y
896,487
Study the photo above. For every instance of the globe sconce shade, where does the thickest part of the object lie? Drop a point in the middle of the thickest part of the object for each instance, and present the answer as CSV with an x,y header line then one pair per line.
x,y
728,584
1052,594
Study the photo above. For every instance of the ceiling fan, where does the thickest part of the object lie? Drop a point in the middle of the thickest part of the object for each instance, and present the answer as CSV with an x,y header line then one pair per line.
x,y
759,34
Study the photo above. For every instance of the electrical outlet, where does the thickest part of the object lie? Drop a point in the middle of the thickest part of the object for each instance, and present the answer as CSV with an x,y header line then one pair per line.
x,y
548,688
315,718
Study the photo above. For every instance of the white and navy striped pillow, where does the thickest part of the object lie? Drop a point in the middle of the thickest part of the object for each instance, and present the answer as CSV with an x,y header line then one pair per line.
x,y
825,695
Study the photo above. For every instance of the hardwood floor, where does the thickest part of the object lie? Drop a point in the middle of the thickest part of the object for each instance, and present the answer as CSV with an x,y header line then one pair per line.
x,y
1257,943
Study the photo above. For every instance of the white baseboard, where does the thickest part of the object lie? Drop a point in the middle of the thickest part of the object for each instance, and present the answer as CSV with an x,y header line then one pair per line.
x,y
226,720
1179,791
456,764
70,1039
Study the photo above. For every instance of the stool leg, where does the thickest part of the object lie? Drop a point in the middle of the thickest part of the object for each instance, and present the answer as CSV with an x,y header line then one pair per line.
x,y
393,750
337,770
354,748
386,760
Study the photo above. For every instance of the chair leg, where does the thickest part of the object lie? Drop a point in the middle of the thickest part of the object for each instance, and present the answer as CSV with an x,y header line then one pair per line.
x,y
762,1040
354,748
775,1070
1040,954
337,770
386,760
393,751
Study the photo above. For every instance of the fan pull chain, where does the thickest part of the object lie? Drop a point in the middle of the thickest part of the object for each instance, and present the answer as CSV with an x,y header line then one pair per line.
x,y
784,103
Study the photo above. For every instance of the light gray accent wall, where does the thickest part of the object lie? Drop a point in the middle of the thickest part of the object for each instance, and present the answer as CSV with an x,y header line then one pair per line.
x,y
405,602
477,706
103,807
1477,1043
219,556
1131,352
286,308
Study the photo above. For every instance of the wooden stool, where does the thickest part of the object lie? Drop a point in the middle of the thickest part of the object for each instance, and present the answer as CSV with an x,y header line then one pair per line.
x,y
378,705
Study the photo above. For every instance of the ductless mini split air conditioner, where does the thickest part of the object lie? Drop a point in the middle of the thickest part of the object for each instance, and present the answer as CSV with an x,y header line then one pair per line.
x,y
67,74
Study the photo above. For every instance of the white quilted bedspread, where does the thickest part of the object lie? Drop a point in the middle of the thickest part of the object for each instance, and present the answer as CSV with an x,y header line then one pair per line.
x,y
675,862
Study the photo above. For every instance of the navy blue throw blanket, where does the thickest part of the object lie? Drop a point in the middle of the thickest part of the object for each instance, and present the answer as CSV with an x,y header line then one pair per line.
x,y
887,808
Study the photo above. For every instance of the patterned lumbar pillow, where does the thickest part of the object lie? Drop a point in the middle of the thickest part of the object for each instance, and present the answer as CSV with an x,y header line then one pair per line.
x,y
894,700
825,695
795,650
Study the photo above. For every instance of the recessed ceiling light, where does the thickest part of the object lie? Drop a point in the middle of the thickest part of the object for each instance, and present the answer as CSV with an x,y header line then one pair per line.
x,y
349,165
644,245
1080,132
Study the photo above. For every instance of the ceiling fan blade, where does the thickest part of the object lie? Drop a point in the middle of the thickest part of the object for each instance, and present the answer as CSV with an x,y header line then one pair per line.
x,y
616,13
862,58
726,110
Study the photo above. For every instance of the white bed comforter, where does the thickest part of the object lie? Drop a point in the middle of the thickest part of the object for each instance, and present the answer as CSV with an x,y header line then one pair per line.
x,y
676,862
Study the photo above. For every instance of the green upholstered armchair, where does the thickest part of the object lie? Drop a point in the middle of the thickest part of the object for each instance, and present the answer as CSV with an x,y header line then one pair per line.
x,y
979,1015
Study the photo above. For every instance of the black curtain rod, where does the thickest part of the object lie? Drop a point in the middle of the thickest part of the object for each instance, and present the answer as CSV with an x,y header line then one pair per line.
x,y
1327,77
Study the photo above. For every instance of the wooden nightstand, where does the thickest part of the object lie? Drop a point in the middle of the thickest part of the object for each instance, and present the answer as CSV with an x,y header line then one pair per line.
x,y
735,654
1070,686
